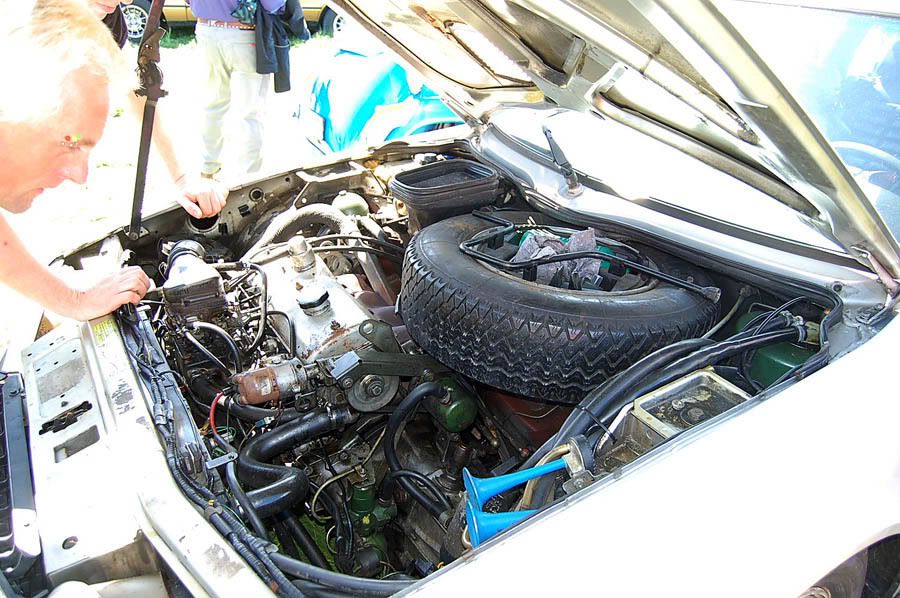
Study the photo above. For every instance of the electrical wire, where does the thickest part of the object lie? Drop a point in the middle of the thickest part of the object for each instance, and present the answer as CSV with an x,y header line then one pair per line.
x,y
335,478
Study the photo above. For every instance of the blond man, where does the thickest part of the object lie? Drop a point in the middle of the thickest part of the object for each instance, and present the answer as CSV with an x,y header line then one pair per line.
x,y
53,108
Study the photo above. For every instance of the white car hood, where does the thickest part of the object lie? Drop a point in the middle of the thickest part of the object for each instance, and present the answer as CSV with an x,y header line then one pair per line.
x,y
643,56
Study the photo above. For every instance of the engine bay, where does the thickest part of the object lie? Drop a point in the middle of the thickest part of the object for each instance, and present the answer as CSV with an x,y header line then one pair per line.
x,y
380,367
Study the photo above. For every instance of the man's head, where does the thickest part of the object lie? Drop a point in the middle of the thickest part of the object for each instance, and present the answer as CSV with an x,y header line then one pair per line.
x,y
60,63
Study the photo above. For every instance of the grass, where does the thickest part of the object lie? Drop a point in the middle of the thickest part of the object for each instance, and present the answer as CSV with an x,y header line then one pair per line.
x,y
177,37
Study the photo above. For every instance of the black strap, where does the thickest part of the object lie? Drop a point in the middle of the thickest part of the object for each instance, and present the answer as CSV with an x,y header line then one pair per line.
x,y
151,88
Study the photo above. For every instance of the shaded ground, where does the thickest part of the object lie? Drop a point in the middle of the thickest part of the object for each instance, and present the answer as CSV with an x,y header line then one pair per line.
x,y
64,218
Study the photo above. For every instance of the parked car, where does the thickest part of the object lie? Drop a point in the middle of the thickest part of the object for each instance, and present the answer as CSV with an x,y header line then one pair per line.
x,y
178,13
629,333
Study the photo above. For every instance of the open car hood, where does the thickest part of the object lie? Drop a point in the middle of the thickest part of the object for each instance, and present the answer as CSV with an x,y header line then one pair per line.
x,y
675,64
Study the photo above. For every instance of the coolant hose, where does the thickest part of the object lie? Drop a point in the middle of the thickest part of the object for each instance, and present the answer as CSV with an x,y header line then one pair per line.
x,y
277,487
407,406
288,223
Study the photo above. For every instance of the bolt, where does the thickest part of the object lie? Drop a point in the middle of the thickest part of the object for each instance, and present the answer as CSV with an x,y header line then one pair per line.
x,y
347,382
374,386
335,325
579,483
427,375
344,456
69,542
368,328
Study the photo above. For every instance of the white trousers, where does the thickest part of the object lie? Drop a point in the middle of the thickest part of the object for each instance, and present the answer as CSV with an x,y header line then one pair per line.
x,y
232,83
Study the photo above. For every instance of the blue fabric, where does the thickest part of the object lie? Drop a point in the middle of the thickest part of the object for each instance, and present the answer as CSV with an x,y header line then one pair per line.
x,y
356,85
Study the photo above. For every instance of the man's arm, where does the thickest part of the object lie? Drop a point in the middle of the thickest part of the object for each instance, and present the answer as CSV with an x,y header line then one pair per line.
x,y
201,198
22,272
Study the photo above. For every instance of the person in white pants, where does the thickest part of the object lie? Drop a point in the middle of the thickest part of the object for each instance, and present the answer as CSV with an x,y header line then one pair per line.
x,y
232,83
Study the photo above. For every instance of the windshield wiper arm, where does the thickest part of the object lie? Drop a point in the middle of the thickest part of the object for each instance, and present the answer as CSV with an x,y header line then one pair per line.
x,y
572,187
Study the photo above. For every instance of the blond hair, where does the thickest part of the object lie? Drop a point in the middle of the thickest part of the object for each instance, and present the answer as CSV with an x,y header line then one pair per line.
x,y
43,43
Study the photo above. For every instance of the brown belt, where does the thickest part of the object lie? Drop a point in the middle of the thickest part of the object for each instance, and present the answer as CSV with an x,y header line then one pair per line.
x,y
225,24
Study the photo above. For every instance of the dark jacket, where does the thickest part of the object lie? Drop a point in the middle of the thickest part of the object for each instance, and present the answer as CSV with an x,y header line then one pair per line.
x,y
273,45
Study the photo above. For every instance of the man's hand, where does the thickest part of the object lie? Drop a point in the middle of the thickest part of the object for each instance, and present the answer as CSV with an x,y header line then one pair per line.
x,y
104,7
128,285
201,198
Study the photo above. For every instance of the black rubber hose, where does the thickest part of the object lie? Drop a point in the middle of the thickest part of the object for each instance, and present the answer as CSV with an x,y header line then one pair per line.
x,y
359,586
205,392
232,346
406,406
290,222
610,405
243,500
584,414
305,541
277,487
387,485
285,540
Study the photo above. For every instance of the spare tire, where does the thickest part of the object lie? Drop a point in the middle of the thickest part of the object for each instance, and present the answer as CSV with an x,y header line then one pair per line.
x,y
531,339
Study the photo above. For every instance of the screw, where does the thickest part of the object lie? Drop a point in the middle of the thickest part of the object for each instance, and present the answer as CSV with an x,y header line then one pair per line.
x,y
579,483
69,542
347,382
427,375
837,287
368,328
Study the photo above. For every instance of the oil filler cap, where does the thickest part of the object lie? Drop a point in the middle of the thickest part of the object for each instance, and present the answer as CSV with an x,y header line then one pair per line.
x,y
313,299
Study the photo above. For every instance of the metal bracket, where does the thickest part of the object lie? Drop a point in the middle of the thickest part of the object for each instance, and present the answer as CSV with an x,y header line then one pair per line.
x,y
223,460
353,365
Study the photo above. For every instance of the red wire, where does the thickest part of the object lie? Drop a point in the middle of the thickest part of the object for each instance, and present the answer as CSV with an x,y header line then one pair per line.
x,y
212,413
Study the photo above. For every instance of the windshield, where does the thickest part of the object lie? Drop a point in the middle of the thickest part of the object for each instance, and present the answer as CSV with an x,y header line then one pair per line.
x,y
844,69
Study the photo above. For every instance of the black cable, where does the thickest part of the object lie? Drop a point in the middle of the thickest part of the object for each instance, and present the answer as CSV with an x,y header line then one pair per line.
x,y
358,586
387,485
357,249
386,244
578,422
263,306
232,346
304,541
243,500
695,361
292,334
407,406
210,357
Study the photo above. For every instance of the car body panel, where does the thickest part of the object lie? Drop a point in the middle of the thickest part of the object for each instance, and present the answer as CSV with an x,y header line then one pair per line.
x,y
763,504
